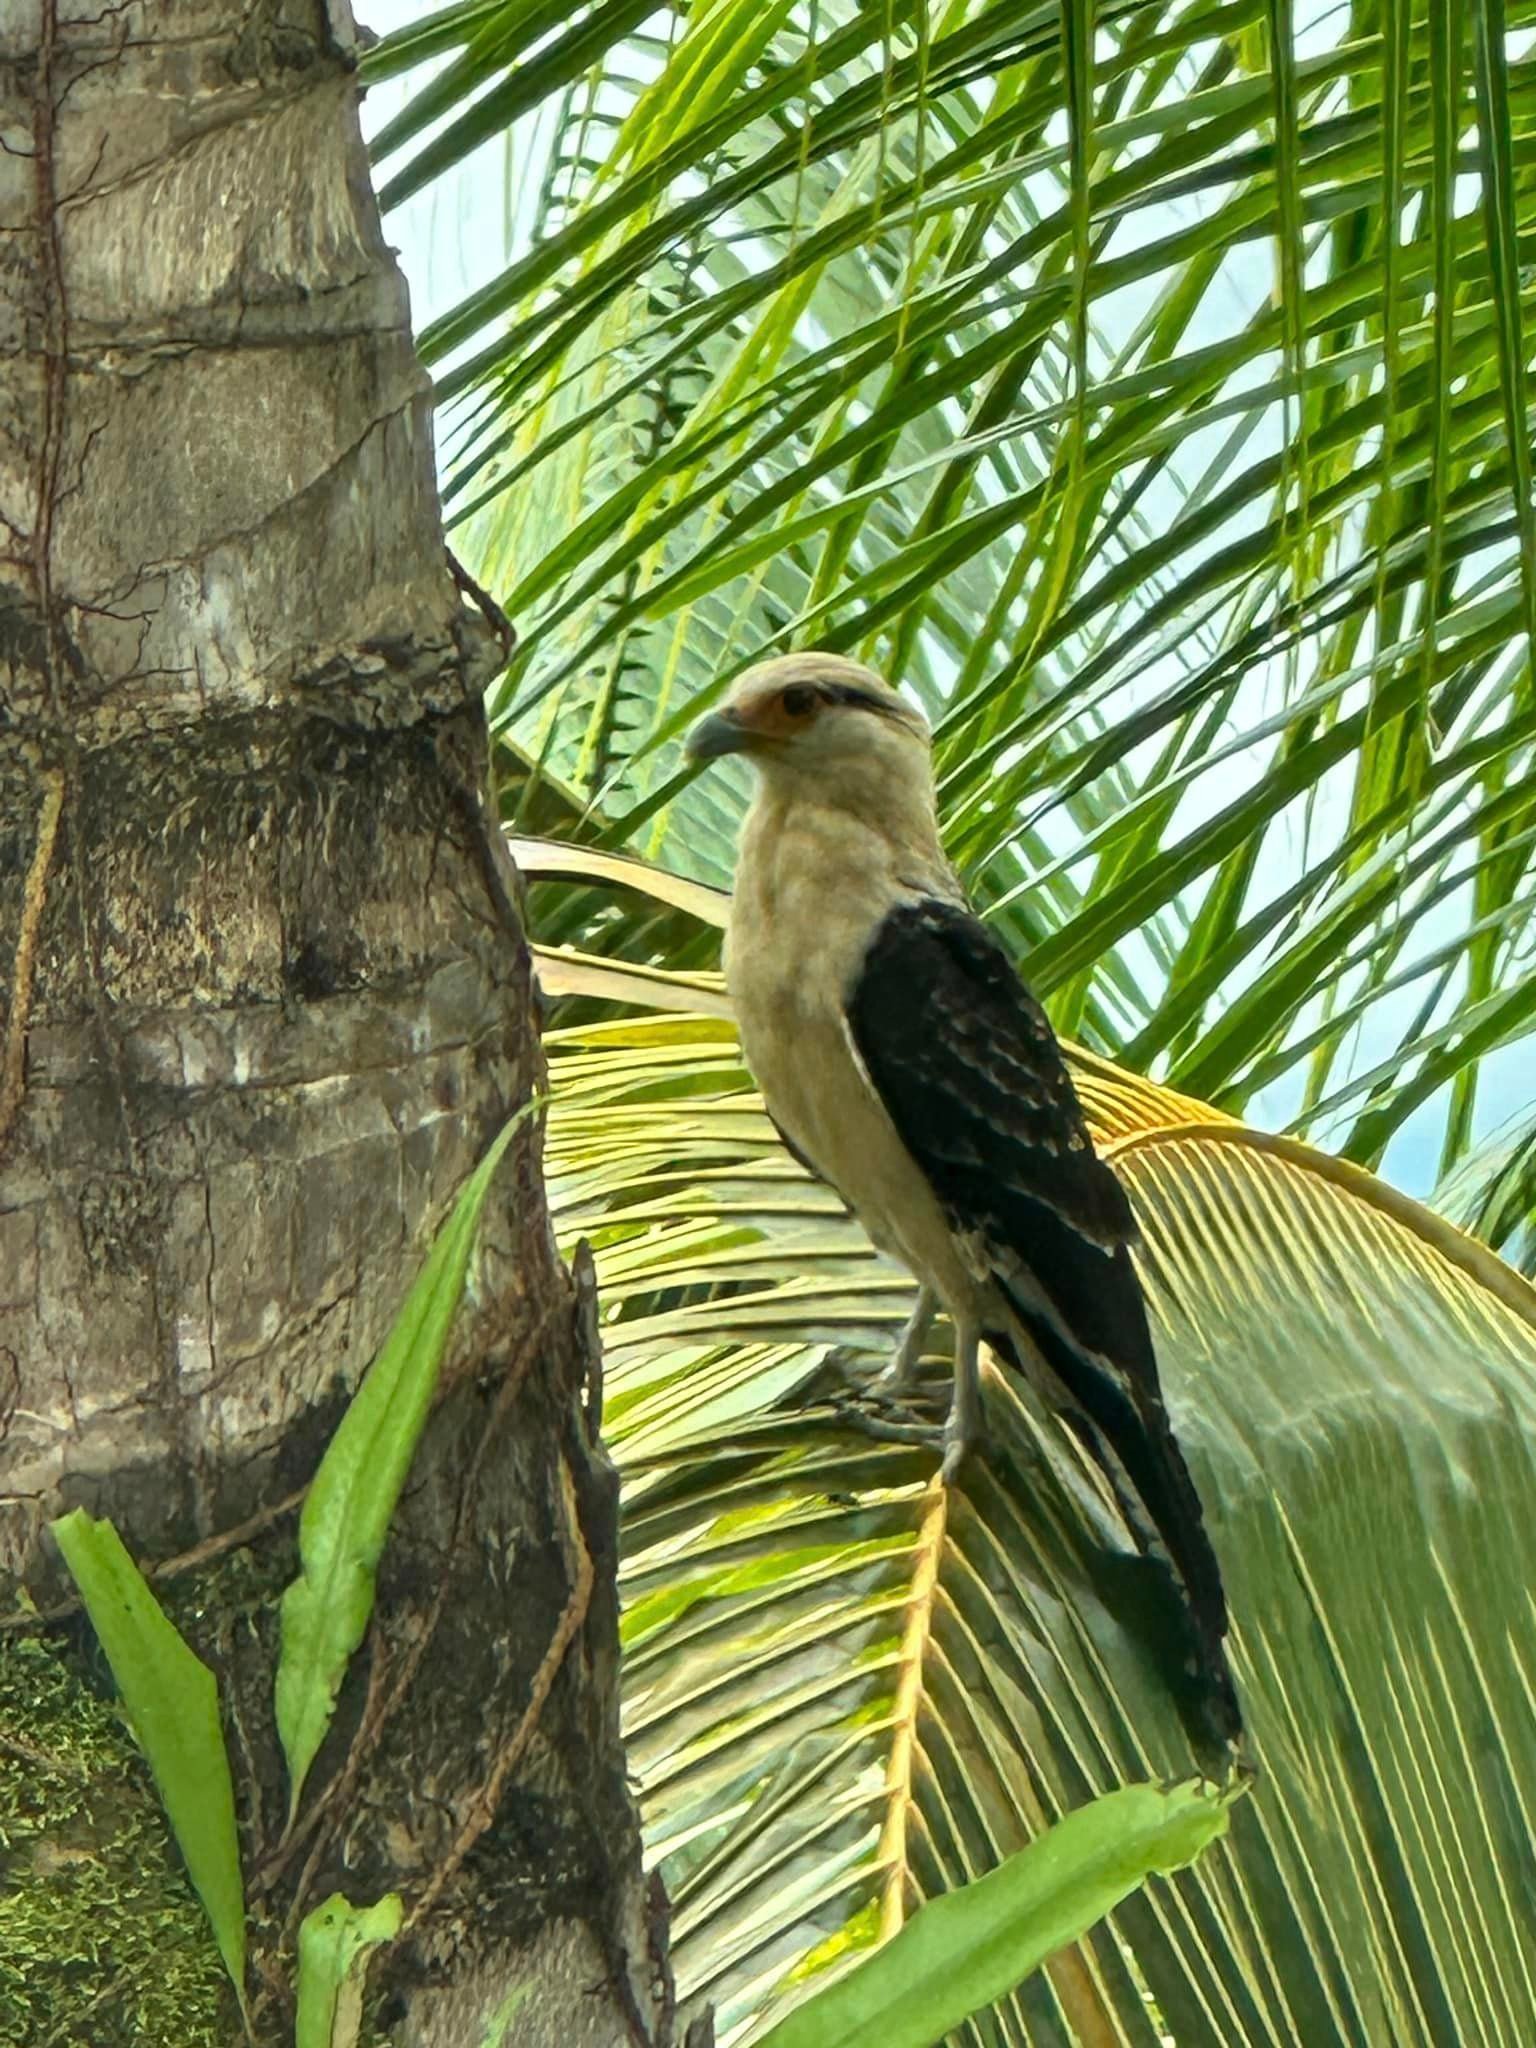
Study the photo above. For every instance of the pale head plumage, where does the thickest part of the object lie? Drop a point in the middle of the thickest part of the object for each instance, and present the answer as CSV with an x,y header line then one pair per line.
x,y
827,728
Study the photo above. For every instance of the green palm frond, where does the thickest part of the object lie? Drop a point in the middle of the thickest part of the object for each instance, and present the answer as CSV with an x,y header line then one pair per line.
x,y
1145,386
1492,1192
848,1690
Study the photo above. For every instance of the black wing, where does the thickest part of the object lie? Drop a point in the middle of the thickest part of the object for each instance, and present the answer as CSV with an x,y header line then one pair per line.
x,y
967,1065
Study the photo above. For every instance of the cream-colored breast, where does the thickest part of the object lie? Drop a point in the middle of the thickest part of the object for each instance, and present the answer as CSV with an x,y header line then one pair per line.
x,y
811,888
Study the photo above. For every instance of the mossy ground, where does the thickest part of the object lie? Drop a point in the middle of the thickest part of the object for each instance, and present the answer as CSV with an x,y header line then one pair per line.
x,y
102,1941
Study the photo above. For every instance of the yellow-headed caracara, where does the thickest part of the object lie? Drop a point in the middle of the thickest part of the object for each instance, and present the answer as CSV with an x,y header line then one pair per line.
x,y
907,1065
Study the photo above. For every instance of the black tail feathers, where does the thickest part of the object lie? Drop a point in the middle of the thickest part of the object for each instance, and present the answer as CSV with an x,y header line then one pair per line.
x,y
1173,1589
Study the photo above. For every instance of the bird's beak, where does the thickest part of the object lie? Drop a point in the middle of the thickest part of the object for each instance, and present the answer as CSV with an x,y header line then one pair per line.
x,y
721,733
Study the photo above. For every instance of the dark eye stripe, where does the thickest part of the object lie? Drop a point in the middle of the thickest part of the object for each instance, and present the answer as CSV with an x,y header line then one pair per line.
x,y
798,699
862,700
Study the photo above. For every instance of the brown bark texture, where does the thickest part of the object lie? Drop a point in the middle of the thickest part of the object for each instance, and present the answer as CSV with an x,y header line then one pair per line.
x,y
265,1000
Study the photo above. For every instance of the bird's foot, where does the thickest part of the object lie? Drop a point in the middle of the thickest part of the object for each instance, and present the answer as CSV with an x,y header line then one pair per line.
x,y
900,1377
899,1383
903,1420
903,1406
914,1400
888,1421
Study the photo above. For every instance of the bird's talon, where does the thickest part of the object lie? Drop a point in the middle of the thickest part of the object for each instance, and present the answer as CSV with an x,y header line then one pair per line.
x,y
865,1418
917,1401
911,1384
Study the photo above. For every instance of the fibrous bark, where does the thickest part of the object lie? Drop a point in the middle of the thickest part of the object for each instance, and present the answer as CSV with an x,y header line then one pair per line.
x,y
266,999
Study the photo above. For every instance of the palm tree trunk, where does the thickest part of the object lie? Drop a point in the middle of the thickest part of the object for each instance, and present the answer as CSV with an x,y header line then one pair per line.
x,y
266,999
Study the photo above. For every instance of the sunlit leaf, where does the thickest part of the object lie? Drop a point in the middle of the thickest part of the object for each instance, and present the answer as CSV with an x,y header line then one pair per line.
x,y
971,1947
347,1510
1145,388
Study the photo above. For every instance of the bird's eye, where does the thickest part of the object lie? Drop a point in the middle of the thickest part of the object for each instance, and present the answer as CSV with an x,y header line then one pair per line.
x,y
798,699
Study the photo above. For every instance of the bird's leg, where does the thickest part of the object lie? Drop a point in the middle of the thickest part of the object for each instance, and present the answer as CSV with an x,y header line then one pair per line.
x,y
963,1427
964,1424
885,1410
902,1370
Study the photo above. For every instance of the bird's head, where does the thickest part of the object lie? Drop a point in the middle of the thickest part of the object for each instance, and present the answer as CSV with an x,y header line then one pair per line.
x,y
824,727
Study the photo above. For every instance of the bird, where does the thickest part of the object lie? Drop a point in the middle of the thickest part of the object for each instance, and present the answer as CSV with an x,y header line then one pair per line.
x,y
904,1062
